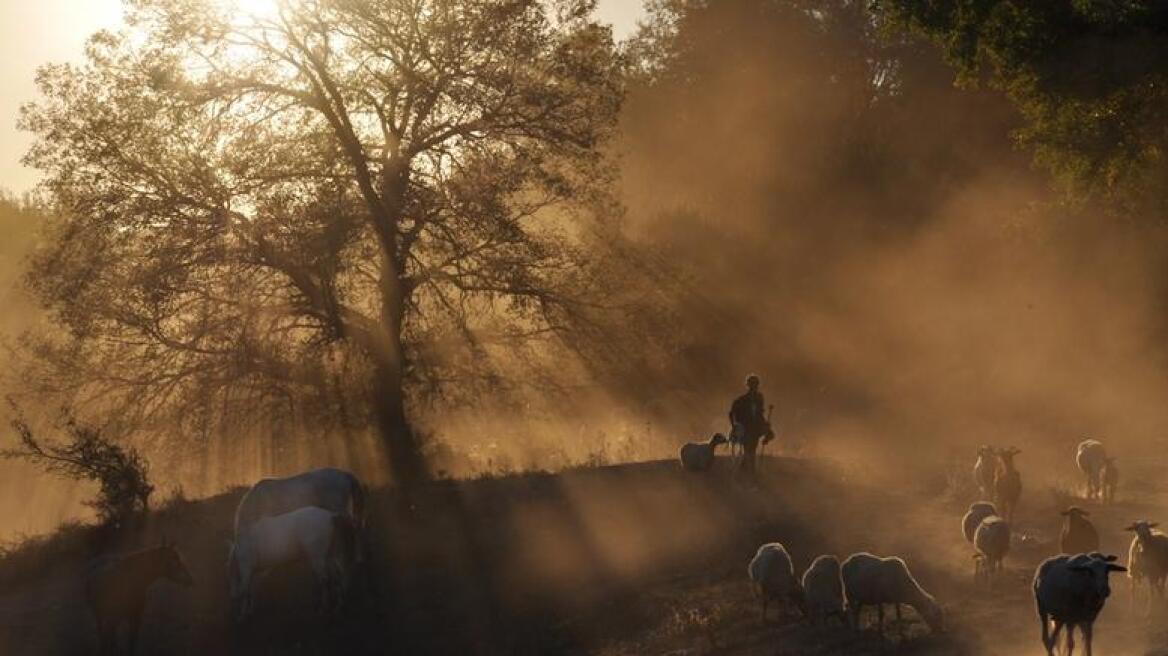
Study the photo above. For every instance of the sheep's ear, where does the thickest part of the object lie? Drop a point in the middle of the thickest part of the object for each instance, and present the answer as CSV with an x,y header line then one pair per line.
x,y
1112,567
1153,524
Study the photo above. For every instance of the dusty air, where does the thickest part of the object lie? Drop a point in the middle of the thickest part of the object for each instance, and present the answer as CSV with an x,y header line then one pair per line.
x,y
584,327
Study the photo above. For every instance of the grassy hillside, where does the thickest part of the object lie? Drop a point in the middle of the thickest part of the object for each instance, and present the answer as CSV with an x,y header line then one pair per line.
x,y
633,559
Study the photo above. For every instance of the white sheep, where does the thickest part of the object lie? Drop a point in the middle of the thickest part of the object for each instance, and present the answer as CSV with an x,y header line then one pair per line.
x,y
1071,590
1147,558
699,456
1090,456
1078,534
823,590
992,541
977,512
871,580
773,577
984,470
1007,484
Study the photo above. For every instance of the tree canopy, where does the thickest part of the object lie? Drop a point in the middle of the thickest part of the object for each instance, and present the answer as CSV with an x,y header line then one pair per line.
x,y
259,208
1090,76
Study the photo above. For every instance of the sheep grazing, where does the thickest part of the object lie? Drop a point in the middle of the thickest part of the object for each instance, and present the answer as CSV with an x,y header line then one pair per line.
x,y
1071,590
1147,559
1110,480
977,512
992,541
984,470
1007,484
773,576
823,590
872,580
1078,534
699,456
1091,457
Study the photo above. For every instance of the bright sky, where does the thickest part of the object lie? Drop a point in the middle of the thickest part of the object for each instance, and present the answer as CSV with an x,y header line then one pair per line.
x,y
34,33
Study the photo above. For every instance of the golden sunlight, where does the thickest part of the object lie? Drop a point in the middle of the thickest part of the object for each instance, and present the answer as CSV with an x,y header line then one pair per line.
x,y
254,8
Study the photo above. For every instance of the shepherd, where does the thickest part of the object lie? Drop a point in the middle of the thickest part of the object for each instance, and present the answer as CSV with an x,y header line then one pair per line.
x,y
750,423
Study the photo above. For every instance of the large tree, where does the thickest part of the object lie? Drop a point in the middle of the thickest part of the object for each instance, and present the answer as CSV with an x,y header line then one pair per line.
x,y
259,204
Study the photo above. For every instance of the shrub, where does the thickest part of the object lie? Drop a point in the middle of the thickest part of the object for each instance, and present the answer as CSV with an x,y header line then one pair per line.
x,y
121,473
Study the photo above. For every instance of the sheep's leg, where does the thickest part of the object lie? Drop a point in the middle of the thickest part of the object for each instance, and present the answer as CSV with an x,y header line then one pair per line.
x,y
880,619
764,609
1044,620
899,621
1070,640
854,612
1088,634
1054,635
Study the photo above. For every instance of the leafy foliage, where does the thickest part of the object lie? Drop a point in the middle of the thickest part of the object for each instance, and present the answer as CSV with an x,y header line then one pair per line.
x,y
1090,76
121,473
263,209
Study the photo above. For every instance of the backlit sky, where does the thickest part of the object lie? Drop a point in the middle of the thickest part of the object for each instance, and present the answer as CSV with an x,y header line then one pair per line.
x,y
41,31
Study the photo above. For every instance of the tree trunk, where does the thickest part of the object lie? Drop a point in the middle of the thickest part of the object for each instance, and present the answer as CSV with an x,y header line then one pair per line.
x,y
406,462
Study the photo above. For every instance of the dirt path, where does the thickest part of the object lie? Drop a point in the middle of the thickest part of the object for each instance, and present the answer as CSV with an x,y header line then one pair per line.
x,y
634,559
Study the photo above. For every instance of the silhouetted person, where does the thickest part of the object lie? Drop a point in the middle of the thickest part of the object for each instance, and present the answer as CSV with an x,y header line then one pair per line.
x,y
749,424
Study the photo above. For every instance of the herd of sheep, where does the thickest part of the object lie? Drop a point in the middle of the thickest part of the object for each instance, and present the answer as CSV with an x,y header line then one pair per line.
x,y
1070,589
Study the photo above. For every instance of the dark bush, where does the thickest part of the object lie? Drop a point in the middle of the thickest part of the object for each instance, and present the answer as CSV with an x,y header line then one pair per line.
x,y
121,473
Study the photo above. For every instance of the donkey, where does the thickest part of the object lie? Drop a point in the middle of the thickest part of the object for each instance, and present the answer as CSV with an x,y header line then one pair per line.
x,y
116,587
327,540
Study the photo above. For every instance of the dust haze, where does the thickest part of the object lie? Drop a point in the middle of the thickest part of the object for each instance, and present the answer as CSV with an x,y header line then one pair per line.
x,y
796,193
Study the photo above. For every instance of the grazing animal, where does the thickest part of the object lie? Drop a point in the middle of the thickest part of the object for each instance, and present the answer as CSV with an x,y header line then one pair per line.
x,y
872,580
984,470
992,541
1071,591
332,489
1007,484
1147,558
1078,534
699,456
1090,456
116,587
972,519
1110,476
773,577
324,538
823,590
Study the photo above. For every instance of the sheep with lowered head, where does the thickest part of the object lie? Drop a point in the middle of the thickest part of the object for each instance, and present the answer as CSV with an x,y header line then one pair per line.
x,y
1071,591
977,512
992,541
871,580
699,456
1078,534
773,577
823,590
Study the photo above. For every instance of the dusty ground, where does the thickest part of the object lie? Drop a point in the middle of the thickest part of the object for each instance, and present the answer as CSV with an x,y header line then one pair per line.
x,y
632,559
